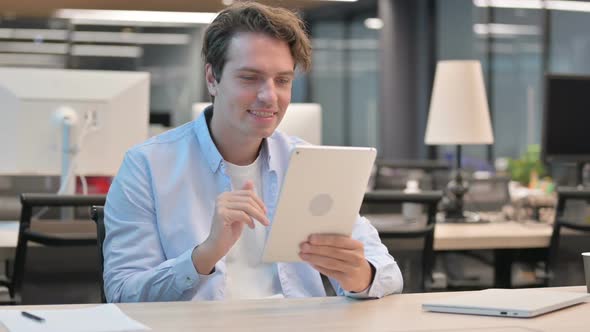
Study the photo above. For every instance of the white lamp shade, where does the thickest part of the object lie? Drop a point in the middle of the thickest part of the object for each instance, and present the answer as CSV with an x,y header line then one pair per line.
x,y
459,112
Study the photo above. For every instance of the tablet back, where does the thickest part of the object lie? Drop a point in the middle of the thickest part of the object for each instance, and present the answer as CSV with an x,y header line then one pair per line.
x,y
322,193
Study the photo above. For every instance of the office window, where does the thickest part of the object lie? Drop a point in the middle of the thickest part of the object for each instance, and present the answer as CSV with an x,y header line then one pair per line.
x,y
456,40
345,77
569,42
509,44
328,79
516,71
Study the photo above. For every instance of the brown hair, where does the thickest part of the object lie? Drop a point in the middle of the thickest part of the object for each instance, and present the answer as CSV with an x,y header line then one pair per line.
x,y
276,22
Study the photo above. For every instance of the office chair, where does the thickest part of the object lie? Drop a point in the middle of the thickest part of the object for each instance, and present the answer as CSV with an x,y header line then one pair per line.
x,y
388,228
488,194
98,217
556,251
61,233
393,174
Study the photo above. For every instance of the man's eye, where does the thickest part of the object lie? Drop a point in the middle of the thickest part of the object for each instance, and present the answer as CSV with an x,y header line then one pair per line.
x,y
284,80
248,78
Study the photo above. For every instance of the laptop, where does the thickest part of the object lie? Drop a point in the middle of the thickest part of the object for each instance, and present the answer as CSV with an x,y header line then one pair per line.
x,y
322,192
507,302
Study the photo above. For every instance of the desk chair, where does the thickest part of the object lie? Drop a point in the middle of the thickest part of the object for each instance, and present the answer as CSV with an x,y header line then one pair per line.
x,y
487,194
467,270
393,174
388,229
61,233
561,222
98,217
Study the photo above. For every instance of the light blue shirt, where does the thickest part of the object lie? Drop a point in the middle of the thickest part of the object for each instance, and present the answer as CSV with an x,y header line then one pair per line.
x,y
160,207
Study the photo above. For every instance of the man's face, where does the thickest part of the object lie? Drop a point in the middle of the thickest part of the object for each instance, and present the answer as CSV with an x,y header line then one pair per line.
x,y
255,87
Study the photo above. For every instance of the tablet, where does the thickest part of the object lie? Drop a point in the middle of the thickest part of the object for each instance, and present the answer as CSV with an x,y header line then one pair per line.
x,y
322,192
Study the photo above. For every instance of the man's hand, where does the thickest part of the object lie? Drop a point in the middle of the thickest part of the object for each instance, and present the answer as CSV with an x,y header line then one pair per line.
x,y
339,257
233,210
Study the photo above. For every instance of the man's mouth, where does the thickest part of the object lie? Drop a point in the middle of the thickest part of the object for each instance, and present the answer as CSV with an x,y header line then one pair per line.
x,y
262,114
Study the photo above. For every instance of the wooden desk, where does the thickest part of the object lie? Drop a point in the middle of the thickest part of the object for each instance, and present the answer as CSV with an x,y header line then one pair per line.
x,y
392,313
9,232
498,235
504,238
8,239
493,235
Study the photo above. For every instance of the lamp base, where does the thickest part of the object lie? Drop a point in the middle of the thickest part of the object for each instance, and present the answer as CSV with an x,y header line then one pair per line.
x,y
465,217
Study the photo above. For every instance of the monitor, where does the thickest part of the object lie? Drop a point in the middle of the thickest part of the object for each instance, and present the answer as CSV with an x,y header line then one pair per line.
x,y
566,132
303,120
110,107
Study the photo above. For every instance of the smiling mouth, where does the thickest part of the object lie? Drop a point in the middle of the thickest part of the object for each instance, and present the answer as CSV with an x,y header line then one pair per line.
x,y
262,114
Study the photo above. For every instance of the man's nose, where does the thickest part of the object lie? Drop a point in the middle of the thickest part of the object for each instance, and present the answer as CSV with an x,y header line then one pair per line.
x,y
268,92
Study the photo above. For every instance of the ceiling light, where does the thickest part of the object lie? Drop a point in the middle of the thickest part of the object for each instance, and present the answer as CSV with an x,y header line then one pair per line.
x,y
525,4
576,6
135,16
506,29
374,23
579,6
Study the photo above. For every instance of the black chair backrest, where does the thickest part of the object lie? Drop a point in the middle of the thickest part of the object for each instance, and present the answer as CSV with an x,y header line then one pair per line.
x,y
393,174
563,195
98,217
26,234
430,199
487,194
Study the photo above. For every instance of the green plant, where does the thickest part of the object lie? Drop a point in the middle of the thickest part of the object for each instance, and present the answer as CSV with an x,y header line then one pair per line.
x,y
521,169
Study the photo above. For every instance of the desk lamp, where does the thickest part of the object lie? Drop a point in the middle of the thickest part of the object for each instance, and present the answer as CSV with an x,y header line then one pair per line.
x,y
458,115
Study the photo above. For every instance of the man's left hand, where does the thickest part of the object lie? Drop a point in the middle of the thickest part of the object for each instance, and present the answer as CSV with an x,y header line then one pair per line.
x,y
338,257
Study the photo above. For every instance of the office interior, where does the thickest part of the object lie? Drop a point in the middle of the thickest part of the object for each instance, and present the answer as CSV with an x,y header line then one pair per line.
x,y
373,67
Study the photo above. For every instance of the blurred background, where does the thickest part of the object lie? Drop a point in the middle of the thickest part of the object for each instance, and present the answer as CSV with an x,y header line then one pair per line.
x,y
373,61
373,68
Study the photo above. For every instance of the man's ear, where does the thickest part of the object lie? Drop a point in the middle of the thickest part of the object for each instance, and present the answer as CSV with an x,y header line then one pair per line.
x,y
211,81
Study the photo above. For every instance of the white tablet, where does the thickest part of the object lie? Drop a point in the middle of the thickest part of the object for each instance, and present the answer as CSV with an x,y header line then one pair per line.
x,y
322,192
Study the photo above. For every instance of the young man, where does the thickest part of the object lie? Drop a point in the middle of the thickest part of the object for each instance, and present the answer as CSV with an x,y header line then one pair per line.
x,y
187,215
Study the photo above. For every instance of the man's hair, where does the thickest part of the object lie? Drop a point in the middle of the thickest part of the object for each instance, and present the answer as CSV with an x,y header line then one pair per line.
x,y
276,22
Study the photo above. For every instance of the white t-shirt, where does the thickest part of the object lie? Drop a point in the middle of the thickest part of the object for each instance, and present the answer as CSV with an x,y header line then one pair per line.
x,y
247,276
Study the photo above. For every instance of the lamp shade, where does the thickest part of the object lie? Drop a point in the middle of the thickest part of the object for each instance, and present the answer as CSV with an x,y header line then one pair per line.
x,y
459,112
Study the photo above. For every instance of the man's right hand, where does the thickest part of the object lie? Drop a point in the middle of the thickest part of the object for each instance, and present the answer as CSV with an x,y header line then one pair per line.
x,y
233,210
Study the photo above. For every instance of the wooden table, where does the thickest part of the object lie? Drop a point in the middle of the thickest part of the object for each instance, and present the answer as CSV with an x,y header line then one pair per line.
x,y
493,235
504,238
392,313
8,239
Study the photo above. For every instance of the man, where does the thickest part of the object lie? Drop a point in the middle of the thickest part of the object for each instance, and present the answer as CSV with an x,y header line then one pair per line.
x,y
187,215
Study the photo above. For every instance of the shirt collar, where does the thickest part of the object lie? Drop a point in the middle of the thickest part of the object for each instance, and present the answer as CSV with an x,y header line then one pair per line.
x,y
211,153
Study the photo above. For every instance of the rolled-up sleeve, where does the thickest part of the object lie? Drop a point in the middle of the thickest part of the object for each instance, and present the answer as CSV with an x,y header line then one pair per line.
x,y
135,266
388,278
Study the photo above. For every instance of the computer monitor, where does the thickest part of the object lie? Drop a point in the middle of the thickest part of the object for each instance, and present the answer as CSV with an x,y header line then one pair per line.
x,y
567,114
111,107
303,120
565,124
